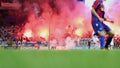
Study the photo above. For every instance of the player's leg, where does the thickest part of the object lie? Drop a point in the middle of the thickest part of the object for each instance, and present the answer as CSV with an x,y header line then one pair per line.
x,y
99,29
109,39
102,39
110,35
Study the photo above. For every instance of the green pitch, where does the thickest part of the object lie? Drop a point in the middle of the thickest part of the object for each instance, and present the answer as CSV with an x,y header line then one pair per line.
x,y
59,59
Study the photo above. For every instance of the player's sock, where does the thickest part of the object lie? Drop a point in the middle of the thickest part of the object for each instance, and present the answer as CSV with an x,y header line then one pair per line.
x,y
102,41
109,39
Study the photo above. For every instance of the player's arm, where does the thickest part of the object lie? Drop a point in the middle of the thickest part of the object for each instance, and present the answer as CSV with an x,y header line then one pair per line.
x,y
95,13
105,19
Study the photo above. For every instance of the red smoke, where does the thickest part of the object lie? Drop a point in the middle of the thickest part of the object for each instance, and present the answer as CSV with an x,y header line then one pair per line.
x,y
50,18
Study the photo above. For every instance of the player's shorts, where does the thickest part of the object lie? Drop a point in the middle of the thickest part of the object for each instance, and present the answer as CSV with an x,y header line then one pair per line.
x,y
99,26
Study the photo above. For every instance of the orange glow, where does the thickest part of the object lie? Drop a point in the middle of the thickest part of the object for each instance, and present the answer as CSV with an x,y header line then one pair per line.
x,y
78,32
44,33
28,33
79,21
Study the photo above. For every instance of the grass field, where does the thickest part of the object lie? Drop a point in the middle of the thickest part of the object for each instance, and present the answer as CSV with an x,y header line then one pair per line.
x,y
59,59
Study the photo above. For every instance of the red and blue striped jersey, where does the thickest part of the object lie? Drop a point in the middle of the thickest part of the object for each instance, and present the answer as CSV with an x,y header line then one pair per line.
x,y
98,6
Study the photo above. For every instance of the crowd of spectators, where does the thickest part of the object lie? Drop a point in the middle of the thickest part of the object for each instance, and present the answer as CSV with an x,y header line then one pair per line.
x,y
11,21
9,32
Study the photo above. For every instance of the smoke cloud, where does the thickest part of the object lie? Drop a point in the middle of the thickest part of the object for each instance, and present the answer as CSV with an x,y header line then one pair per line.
x,y
52,18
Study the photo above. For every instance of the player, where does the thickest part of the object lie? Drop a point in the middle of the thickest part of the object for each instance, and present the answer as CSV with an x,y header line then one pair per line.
x,y
97,23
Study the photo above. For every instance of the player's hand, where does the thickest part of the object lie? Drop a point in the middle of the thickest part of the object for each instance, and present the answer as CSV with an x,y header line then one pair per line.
x,y
112,21
109,21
